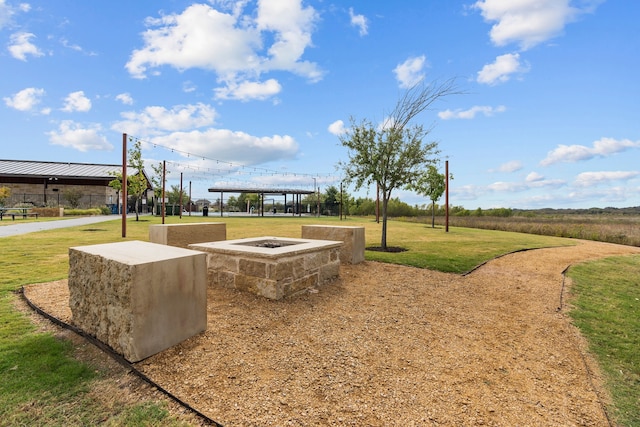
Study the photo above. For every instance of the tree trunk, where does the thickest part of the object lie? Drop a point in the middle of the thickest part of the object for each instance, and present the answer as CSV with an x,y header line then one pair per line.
x,y
433,214
385,202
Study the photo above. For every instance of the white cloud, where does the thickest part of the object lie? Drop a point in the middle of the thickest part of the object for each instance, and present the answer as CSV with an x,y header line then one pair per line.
x,y
155,119
245,91
125,98
590,179
25,100
337,128
501,70
509,167
287,181
231,44
7,11
20,46
534,177
601,148
76,101
467,192
510,187
230,146
359,21
486,110
188,87
66,43
526,22
73,135
411,71
531,181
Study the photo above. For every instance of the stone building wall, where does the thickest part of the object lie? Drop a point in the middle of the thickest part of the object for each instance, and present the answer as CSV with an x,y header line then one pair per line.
x,y
92,195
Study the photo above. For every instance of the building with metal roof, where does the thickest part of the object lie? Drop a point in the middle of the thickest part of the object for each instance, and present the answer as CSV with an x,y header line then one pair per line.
x,y
41,183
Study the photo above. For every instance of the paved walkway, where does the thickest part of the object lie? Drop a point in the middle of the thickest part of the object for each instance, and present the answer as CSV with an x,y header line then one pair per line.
x,y
17,228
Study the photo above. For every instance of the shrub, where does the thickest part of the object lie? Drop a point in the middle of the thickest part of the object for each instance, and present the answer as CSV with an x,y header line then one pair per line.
x,y
5,192
47,212
82,212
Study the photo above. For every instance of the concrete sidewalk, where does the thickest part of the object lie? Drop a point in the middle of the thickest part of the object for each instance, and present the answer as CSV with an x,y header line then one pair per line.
x,y
30,227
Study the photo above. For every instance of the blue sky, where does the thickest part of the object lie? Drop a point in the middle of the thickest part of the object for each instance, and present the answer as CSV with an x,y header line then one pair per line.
x,y
239,93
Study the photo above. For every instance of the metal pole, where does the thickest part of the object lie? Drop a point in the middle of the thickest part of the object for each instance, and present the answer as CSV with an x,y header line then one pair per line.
x,y
189,198
164,180
180,195
124,185
340,201
446,209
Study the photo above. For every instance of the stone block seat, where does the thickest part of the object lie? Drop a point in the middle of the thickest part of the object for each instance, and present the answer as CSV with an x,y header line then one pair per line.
x,y
138,297
352,251
182,235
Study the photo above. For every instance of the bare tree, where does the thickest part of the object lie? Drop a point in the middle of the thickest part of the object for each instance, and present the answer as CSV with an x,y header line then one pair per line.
x,y
393,155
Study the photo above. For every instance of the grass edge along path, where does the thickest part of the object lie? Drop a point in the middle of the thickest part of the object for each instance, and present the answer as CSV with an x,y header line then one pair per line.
x,y
605,295
41,257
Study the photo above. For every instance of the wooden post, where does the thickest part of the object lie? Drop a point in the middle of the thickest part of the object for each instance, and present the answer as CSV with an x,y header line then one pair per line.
x,y
124,185
446,209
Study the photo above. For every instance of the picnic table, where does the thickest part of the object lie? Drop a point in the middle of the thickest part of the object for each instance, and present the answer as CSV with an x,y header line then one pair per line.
x,y
13,212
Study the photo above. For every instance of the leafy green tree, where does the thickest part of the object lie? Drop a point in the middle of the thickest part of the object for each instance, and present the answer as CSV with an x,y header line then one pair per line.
x,y
432,185
232,204
136,182
331,200
393,155
398,208
252,198
173,198
73,196
156,180
363,206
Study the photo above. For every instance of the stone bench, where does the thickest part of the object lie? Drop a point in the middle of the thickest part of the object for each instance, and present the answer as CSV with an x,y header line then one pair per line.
x,y
352,251
138,297
182,235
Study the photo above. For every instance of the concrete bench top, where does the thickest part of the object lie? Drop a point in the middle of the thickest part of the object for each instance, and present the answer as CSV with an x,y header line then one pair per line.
x,y
135,251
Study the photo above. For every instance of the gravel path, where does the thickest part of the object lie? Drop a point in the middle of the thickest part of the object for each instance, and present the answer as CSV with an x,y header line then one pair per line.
x,y
387,345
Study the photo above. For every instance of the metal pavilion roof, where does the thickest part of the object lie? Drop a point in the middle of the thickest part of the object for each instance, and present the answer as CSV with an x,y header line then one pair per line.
x,y
39,169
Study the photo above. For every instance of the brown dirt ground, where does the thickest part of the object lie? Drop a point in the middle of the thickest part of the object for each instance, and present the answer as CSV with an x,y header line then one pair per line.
x,y
391,345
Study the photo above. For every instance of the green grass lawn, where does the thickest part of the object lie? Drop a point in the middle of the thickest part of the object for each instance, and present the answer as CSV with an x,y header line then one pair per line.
x,y
606,294
40,383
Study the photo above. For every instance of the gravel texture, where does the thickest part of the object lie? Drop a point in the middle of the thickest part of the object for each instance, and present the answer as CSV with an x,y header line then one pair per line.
x,y
387,345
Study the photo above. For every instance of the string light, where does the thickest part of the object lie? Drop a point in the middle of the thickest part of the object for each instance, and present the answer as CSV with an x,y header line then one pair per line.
x,y
259,171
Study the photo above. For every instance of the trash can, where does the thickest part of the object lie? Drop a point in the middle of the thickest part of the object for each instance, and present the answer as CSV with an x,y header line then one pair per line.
x,y
205,211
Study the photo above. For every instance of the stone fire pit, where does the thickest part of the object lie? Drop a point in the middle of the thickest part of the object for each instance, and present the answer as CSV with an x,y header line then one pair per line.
x,y
272,267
